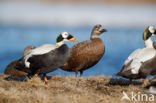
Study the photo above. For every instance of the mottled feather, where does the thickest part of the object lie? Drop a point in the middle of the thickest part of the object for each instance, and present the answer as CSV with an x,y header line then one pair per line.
x,y
85,54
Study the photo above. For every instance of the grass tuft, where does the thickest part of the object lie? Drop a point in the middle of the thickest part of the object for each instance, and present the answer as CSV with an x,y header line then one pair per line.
x,y
65,89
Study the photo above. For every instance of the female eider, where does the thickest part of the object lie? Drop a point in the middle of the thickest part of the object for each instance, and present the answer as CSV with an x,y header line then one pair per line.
x,y
86,54
46,58
11,70
142,61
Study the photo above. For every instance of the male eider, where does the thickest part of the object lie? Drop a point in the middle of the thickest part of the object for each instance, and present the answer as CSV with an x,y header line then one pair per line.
x,y
142,61
86,54
46,58
10,69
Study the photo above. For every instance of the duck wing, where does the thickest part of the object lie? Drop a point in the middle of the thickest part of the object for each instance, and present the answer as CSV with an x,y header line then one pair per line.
x,y
50,61
138,57
86,54
43,49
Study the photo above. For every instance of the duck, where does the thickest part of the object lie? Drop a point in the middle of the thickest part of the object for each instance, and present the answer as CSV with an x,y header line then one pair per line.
x,y
141,62
151,88
46,58
11,70
86,54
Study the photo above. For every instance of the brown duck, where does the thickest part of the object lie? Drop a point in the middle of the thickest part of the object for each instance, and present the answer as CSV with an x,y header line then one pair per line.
x,y
86,54
10,69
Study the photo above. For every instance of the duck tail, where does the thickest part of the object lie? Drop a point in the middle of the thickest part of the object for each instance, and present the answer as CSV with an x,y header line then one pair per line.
x,y
21,66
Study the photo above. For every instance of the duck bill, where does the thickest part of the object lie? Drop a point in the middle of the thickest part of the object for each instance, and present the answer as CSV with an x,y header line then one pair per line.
x,y
73,39
103,30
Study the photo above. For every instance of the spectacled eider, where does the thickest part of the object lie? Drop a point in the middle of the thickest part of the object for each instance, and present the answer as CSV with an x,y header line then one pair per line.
x,y
46,58
11,70
86,54
141,62
151,88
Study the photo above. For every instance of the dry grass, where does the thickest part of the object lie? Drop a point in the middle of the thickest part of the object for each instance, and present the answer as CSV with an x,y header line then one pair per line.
x,y
65,89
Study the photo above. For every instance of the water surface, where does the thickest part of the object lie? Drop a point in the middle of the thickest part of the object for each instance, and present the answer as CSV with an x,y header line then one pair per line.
x,y
119,44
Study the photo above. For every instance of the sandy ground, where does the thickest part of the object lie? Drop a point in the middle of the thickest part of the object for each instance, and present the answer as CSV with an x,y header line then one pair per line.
x,y
66,89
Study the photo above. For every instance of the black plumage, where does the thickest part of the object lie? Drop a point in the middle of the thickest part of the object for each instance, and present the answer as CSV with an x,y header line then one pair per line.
x,y
48,62
46,58
141,60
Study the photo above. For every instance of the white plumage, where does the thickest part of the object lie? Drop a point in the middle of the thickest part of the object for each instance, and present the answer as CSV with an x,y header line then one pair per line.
x,y
141,62
43,49
64,34
149,43
39,51
151,29
138,57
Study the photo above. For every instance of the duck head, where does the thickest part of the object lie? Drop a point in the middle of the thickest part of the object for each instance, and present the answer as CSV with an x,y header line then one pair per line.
x,y
97,30
28,49
63,37
149,32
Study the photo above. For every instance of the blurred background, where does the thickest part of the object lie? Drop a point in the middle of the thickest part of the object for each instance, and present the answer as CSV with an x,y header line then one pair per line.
x,y
37,22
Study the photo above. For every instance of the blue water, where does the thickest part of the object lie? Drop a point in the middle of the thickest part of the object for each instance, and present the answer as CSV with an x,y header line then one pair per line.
x,y
119,43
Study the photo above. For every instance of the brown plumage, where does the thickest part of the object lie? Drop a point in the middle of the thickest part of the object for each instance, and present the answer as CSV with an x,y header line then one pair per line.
x,y
10,69
86,54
